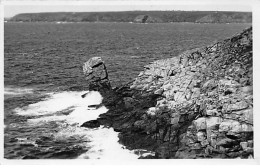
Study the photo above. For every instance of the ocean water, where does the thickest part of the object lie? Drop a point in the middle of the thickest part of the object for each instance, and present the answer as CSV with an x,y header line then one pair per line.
x,y
50,128
43,81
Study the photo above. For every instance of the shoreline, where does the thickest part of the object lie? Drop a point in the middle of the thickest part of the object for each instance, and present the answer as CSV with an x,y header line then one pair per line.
x,y
177,107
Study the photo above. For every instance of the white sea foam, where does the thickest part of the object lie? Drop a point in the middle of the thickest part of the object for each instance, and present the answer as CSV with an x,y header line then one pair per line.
x,y
17,91
104,145
103,142
57,102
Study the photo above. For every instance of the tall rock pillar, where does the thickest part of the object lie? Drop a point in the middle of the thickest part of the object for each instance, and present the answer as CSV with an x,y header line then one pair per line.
x,y
96,75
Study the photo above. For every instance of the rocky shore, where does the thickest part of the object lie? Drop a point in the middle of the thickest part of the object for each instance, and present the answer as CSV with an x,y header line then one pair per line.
x,y
196,105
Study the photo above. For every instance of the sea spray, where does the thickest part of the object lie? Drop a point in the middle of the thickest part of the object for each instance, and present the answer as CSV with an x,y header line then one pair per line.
x,y
104,145
66,111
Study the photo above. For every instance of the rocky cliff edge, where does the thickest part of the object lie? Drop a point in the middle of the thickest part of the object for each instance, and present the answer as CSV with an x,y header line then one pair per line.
x,y
196,105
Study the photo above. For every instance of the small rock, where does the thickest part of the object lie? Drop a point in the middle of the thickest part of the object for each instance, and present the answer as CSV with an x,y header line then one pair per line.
x,y
250,157
200,124
230,83
246,115
208,150
139,87
141,74
209,84
237,106
167,86
213,112
213,122
159,91
151,111
91,124
247,89
204,143
243,145
179,97
246,128
201,136
230,125
249,150
195,93
250,143
174,121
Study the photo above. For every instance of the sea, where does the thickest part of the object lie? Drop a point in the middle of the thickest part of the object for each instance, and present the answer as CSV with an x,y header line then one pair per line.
x,y
43,81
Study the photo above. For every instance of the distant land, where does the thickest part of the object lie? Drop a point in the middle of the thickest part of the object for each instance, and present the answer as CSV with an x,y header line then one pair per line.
x,y
137,17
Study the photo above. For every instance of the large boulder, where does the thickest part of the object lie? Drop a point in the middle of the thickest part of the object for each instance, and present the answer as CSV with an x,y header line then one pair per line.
x,y
96,74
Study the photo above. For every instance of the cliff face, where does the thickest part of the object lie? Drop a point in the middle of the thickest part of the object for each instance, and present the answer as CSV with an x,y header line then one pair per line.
x,y
196,105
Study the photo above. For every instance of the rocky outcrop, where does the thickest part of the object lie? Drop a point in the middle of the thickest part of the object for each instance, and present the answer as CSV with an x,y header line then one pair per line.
x,y
147,19
196,105
96,74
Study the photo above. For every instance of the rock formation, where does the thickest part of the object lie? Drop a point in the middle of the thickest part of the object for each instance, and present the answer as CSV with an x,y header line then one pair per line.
x,y
147,19
96,74
196,105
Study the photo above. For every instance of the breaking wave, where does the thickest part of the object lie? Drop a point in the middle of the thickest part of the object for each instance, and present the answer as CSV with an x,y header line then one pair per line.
x,y
63,113
17,91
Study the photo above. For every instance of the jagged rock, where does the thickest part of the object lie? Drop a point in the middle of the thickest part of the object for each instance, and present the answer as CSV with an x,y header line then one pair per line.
x,y
213,112
237,106
151,111
201,136
91,124
159,91
195,105
213,122
244,145
230,125
96,74
200,124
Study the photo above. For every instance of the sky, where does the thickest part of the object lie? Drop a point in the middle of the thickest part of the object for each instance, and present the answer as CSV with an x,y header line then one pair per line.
x,y
12,8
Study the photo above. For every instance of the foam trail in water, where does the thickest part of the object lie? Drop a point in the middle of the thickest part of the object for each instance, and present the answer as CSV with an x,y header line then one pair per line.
x,y
17,91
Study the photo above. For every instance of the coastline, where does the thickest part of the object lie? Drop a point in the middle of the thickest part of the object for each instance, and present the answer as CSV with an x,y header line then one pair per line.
x,y
196,105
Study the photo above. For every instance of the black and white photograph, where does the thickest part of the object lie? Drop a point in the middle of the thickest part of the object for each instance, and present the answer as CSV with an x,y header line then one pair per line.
x,y
128,80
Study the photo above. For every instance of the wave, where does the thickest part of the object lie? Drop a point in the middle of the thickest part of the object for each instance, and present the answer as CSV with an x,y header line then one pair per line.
x,y
17,91
60,103
104,145
69,110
